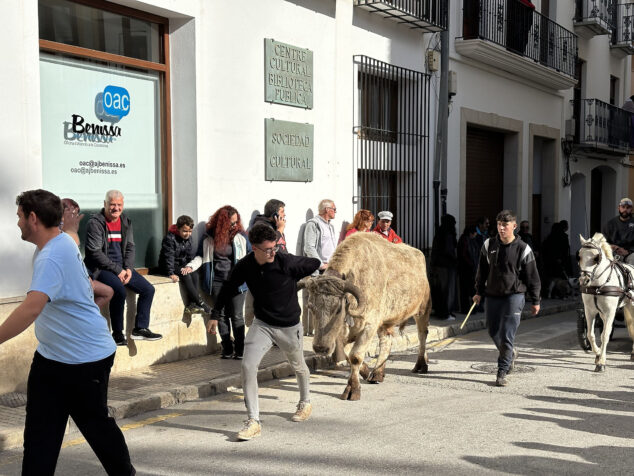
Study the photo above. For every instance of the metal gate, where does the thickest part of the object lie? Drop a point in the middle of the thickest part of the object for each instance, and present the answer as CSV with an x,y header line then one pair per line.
x,y
391,149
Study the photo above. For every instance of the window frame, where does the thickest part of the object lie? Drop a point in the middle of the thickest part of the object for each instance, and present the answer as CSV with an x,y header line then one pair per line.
x,y
163,68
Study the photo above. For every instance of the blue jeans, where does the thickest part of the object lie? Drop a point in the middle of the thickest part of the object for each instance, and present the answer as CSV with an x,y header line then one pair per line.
x,y
503,319
137,284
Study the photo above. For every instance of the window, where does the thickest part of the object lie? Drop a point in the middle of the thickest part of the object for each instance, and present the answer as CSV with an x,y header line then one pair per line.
x,y
614,91
378,102
104,112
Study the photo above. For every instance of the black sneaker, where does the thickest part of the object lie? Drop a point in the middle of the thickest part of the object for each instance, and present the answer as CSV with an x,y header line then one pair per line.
x,y
119,338
205,307
237,356
193,308
501,380
144,334
225,356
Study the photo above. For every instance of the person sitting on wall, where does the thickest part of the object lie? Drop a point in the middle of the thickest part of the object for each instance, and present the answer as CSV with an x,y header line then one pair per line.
x,y
275,216
70,225
384,229
223,245
110,259
177,250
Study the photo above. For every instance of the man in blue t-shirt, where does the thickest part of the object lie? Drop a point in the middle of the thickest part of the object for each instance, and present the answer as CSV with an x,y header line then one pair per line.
x,y
71,366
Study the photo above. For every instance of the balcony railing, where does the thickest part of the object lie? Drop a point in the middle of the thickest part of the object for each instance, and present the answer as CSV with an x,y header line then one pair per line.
x,y
593,17
522,31
602,126
622,27
428,15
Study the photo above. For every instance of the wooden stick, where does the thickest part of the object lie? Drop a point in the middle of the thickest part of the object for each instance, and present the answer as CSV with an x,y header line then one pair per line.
x,y
468,314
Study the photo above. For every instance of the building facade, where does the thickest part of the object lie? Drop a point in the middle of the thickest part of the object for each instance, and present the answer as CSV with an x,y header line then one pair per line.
x,y
186,106
537,120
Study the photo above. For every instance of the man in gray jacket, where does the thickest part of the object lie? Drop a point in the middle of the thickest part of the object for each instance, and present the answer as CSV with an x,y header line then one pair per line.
x,y
320,240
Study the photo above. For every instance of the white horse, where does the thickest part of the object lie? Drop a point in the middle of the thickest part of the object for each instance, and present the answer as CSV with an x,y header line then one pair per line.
x,y
606,285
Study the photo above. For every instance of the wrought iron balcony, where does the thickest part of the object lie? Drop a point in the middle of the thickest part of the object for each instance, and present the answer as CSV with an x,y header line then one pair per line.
x,y
428,15
602,126
593,17
622,31
512,36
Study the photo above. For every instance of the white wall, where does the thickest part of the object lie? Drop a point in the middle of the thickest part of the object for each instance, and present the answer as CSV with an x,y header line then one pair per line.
x,y
218,107
20,136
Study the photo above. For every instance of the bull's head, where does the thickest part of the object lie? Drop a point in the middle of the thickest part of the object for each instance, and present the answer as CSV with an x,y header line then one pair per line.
x,y
329,307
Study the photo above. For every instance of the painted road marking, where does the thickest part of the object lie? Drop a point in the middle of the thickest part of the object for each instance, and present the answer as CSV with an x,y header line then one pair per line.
x,y
129,426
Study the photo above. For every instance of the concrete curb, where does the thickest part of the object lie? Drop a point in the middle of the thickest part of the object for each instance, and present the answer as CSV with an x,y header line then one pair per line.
x,y
13,437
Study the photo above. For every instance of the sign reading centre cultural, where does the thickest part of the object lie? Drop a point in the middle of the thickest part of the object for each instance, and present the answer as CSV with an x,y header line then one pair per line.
x,y
288,74
289,151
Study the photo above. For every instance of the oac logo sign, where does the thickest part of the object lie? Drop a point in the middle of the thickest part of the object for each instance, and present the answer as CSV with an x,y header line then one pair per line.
x,y
112,104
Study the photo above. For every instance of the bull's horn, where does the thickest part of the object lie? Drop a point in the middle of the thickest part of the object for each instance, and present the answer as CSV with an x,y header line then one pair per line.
x,y
358,295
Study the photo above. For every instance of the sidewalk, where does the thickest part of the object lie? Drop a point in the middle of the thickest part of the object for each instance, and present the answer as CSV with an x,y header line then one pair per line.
x,y
164,385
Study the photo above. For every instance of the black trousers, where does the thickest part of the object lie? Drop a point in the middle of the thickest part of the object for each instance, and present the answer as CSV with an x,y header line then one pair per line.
x,y
56,391
232,316
190,283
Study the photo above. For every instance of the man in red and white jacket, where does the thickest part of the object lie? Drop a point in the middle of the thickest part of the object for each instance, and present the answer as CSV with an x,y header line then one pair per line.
x,y
383,228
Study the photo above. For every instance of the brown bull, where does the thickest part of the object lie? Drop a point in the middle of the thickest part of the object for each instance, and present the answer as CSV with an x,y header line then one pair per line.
x,y
389,283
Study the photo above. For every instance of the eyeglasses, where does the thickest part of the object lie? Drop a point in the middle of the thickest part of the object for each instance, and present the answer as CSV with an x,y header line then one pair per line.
x,y
268,251
332,208
233,223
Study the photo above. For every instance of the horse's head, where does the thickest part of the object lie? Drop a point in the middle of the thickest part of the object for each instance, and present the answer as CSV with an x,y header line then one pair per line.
x,y
594,253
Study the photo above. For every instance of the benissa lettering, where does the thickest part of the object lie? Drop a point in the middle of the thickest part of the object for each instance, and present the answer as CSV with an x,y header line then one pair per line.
x,y
290,139
80,127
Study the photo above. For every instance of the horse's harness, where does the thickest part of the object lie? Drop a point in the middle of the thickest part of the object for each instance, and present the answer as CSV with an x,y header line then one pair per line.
x,y
626,278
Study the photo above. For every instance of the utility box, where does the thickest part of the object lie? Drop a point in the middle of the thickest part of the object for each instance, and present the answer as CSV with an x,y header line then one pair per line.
x,y
452,86
433,60
570,128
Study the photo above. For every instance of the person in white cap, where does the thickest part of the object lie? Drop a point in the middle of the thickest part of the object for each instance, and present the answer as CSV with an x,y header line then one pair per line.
x,y
383,227
619,231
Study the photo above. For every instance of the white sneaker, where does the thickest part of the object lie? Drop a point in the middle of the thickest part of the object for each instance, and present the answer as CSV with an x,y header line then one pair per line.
x,y
304,409
252,428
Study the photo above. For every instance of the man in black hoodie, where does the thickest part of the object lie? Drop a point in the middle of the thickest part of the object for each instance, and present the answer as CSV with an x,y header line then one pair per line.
x,y
506,271
272,279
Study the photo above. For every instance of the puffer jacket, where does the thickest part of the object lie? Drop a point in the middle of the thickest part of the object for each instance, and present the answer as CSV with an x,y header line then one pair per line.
x,y
175,252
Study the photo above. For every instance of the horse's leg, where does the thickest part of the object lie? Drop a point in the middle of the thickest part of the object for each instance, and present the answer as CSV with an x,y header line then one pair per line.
x,y
628,311
422,325
608,321
591,312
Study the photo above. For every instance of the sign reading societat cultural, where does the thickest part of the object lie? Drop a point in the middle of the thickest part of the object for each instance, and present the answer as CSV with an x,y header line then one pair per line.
x,y
288,74
289,151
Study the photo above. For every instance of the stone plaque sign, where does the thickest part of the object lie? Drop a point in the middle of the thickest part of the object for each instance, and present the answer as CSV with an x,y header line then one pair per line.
x,y
288,74
288,151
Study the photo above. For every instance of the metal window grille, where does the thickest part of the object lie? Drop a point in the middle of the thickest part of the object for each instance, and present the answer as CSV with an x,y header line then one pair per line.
x,y
391,149
522,31
602,125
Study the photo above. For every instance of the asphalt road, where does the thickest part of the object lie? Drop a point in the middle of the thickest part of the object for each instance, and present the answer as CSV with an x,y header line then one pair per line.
x,y
557,416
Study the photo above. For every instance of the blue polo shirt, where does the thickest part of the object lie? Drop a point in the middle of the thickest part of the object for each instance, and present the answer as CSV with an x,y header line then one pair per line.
x,y
70,328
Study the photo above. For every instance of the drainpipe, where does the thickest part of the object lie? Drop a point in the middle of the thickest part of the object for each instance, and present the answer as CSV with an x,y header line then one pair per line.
x,y
440,157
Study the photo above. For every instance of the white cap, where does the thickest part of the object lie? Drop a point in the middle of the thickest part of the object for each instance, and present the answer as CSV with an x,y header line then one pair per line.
x,y
385,215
